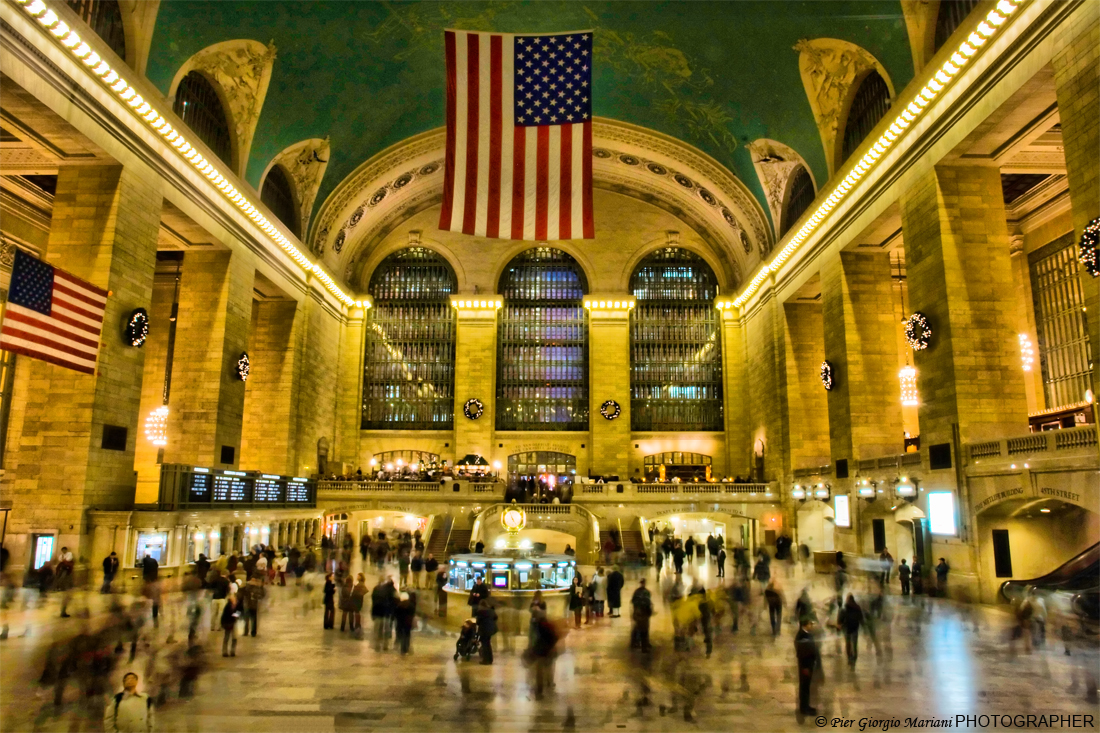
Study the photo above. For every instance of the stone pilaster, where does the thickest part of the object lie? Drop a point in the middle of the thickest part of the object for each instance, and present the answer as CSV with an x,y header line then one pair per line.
x,y
609,379
807,407
960,276
206,407
735,407
270,427
475,377
146,454
320,358
349,396
1077,77
766,372
104,230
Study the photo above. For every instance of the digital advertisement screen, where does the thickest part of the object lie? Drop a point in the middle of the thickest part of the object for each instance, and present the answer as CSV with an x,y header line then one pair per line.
x,y
941,512
500,580
841,515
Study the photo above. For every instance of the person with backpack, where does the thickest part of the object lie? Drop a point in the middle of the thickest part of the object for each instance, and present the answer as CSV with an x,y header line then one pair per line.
x,y
252,594
642,604
129,711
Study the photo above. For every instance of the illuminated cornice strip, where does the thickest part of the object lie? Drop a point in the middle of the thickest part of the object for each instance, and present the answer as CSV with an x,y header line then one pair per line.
x,y
987,29
148,113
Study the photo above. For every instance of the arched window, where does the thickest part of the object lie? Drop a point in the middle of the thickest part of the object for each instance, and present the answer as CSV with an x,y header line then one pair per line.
x,y
408,376
198,105
799,197
542,358
950,16
871,102
675,347
278,195
105,18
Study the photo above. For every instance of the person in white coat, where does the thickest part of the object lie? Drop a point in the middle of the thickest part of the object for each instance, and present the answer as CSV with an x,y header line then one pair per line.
x,y
599,591
129,711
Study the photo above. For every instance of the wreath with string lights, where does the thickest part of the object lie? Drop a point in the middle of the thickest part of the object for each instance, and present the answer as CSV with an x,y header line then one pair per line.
x,y
137,328
610,409
918,331
473,408
1090,239
244,366
826,375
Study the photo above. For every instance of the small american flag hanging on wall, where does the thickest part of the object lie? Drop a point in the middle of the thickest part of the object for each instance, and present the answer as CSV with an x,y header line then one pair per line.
x,y
519,136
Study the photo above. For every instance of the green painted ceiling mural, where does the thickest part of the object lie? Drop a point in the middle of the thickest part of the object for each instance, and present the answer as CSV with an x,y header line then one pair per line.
x,y
717,75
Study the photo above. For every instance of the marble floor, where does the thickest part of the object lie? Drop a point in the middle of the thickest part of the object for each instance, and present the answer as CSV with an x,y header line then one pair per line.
x,y
935,660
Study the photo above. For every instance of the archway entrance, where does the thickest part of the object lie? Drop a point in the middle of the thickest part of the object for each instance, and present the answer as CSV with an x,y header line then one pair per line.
x,y
541,476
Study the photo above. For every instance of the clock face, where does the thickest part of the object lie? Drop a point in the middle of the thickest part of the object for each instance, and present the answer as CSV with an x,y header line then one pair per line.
x,y
513,519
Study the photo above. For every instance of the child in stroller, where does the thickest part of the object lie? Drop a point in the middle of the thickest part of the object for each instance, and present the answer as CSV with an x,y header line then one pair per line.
x,y
467,644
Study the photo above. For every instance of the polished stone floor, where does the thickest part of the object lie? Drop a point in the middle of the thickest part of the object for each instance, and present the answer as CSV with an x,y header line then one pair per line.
x,y
935,660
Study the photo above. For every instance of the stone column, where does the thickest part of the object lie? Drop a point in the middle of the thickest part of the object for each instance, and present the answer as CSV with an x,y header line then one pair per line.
x,y
960,277
738,443
1021,278
146,455
103,230
207,402
609,379
1077,78
317,393
767,383
865,401
475,377
270,426
349,397
807,406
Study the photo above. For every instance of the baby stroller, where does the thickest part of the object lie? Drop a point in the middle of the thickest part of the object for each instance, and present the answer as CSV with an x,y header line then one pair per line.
x,y
467,644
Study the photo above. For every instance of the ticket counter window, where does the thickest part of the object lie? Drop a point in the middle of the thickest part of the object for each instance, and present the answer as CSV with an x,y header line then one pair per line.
x,y
500,578
153,543
43,549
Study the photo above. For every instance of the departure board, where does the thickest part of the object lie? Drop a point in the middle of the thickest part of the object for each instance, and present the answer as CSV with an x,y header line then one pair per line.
x,y
199,490
297,492
268,489
236,489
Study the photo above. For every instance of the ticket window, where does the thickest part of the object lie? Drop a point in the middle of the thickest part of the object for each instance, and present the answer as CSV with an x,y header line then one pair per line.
x,y
499,579
527,576
154,544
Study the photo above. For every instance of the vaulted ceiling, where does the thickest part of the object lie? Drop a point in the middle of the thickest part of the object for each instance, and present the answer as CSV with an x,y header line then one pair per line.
x,y
716,75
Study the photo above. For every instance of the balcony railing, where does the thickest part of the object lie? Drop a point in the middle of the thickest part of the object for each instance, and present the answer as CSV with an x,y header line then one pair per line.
x,y
420,488
1049,442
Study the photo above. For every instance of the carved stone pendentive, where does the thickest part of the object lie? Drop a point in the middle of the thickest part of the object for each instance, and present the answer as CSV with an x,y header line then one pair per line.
x,y
305,163
241,70
775,163
829,68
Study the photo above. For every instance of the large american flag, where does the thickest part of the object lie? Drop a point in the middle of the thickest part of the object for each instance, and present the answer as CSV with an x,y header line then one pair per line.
x,y
53,316
519,136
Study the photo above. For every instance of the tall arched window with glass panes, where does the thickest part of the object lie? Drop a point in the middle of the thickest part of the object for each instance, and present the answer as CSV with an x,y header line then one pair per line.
x,y
675,344
542,344
408,375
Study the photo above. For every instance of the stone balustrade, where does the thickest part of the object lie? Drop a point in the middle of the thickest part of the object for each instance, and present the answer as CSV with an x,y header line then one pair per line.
x,y
1069,440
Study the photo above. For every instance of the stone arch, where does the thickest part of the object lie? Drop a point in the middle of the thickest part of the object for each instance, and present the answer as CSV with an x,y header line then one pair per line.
x,y
304,164
648,248
518,248
416,239
775,165
831,71
240,72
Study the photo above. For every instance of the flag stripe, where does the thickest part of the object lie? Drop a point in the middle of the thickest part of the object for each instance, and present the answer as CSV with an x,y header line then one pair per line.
x,y
80,286
12,332
458,181
530,192
565,218
577,167
519,175
26,321
492,226
542,173
45,354
553,181
507,133
586,157
79,295
449,164
473,132
71,325
75,318
76,308
484,137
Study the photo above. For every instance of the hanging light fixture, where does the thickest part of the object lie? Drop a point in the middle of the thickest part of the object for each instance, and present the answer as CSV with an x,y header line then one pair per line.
x,y
156,426
1027,353
908,377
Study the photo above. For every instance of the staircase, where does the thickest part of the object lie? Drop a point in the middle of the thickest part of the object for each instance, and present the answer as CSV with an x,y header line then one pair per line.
x,y
437,544
460,541
631,540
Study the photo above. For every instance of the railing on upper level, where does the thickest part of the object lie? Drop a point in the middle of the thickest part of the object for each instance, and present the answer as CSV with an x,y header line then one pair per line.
x,y
1049,442
419,488
626,490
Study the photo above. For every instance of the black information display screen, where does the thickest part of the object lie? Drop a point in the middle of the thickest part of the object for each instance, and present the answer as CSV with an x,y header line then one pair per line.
x,y
236,489
199,490
297,491
267,489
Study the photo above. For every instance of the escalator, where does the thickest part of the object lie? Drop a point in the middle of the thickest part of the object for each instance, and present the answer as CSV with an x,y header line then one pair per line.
x,y
1079,578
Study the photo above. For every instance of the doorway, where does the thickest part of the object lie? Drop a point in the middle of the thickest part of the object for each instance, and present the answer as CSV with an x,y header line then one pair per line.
x,y
43,549
542,476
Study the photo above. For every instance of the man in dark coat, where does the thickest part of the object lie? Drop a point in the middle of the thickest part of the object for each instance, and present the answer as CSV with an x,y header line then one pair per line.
x,y
805,650
903,575
110,570
486,628
615,582
150,568
642,604
478,593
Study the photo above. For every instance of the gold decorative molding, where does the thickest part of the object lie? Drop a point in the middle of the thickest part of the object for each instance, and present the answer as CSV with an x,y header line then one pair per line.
x,y
775,163
241,71
830,70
